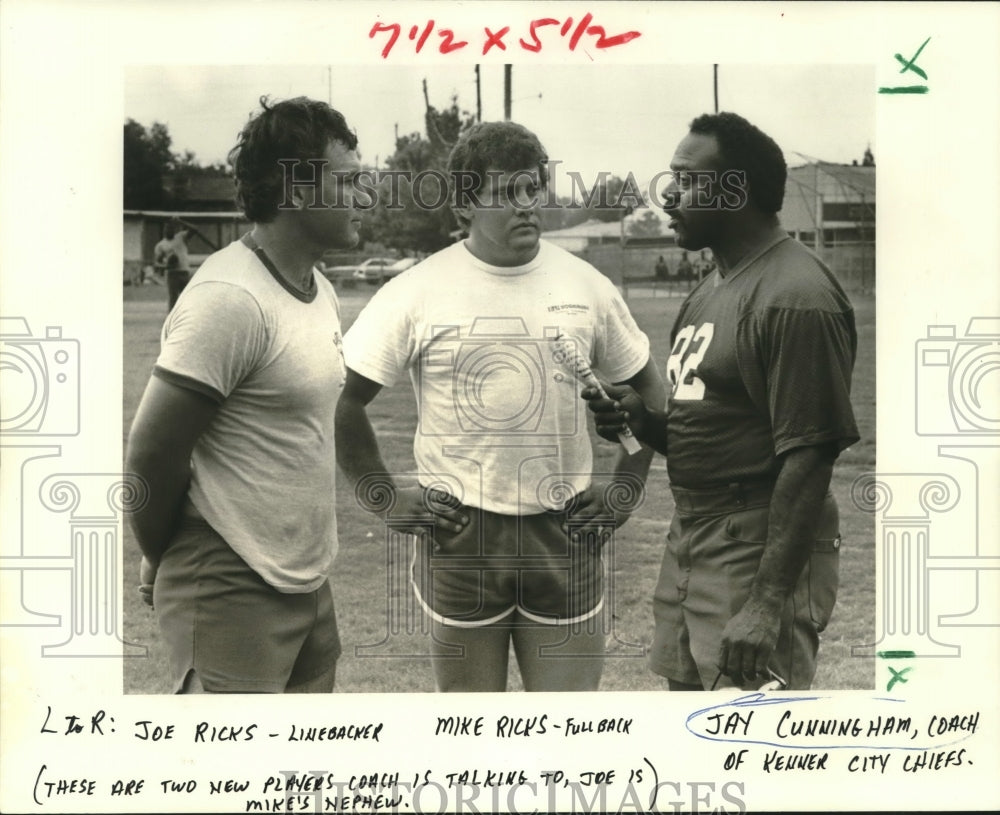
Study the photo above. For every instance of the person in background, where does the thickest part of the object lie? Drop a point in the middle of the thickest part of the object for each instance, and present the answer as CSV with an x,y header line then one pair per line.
x,y
172,254
161,253
685,271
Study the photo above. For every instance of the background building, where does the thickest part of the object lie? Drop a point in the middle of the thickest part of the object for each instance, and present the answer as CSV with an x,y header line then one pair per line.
x,y
831,209
828,207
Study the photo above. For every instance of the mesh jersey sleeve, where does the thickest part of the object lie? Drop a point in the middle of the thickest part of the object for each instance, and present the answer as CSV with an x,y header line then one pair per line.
x,y
212,340
797,365
621,348
380,343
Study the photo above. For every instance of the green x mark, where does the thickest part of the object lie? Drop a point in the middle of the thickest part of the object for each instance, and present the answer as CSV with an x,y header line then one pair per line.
x,y
897,676
911,65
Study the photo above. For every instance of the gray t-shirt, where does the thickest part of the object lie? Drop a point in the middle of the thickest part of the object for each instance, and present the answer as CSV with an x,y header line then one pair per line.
x,y
263,472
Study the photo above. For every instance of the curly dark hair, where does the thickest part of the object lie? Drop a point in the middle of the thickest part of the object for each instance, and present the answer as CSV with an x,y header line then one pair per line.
x,y
299,128
505,146
745,147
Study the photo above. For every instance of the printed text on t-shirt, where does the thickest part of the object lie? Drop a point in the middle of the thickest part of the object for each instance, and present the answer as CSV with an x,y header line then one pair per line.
x,y
682,366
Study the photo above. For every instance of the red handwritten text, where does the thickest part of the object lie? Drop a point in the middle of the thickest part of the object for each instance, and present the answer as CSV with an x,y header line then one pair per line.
x,y
570,32
446,46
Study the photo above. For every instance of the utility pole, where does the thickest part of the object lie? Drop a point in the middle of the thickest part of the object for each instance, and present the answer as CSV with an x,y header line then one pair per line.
x,y
506,91
818,240
479,98
715,85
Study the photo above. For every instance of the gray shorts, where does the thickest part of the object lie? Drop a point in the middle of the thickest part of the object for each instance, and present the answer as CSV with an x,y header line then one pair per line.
x,y
502,564
234,630
713,550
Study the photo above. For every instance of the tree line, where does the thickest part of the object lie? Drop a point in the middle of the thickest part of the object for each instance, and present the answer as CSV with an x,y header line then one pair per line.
x,y
155,177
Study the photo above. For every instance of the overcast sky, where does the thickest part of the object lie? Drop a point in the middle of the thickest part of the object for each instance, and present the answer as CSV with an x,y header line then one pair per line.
x,y
609,117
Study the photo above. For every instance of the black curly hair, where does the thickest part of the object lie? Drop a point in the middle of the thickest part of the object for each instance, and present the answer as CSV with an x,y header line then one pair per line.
x,y
298,128
745,147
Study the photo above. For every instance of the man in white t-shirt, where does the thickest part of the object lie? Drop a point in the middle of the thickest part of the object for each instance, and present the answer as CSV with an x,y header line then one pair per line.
x,y
234,436
162,251
509,521
171,256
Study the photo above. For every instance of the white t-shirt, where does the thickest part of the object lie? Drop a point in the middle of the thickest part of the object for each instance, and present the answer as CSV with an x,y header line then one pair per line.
x,y
263,472
501,423
178,245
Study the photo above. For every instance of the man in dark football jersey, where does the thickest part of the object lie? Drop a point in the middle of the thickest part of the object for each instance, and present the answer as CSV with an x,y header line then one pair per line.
x,y
760,373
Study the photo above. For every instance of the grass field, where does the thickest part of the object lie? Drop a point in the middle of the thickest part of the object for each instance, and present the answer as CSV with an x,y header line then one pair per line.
x,y
385,643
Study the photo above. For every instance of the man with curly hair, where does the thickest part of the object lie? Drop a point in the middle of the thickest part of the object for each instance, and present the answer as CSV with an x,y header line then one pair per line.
x,y
760,372
234,435
509,522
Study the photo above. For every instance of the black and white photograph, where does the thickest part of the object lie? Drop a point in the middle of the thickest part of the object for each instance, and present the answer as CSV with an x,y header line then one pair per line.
x,y
498,407
491,431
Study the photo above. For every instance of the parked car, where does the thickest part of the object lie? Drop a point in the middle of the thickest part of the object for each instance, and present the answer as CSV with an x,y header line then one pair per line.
x,y
398,267
373,270
340,276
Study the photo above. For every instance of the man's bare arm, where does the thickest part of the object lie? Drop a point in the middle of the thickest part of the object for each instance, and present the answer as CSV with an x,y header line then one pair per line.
x,y
168,423
359,456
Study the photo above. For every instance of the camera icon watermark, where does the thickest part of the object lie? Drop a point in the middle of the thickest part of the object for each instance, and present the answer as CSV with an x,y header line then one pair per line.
x,y
498,380
957,396
958,380
90,557
958,399
904,505
39,381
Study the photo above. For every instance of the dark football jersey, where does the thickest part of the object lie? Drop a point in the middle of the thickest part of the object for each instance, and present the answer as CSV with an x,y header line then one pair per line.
x,y
760,363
